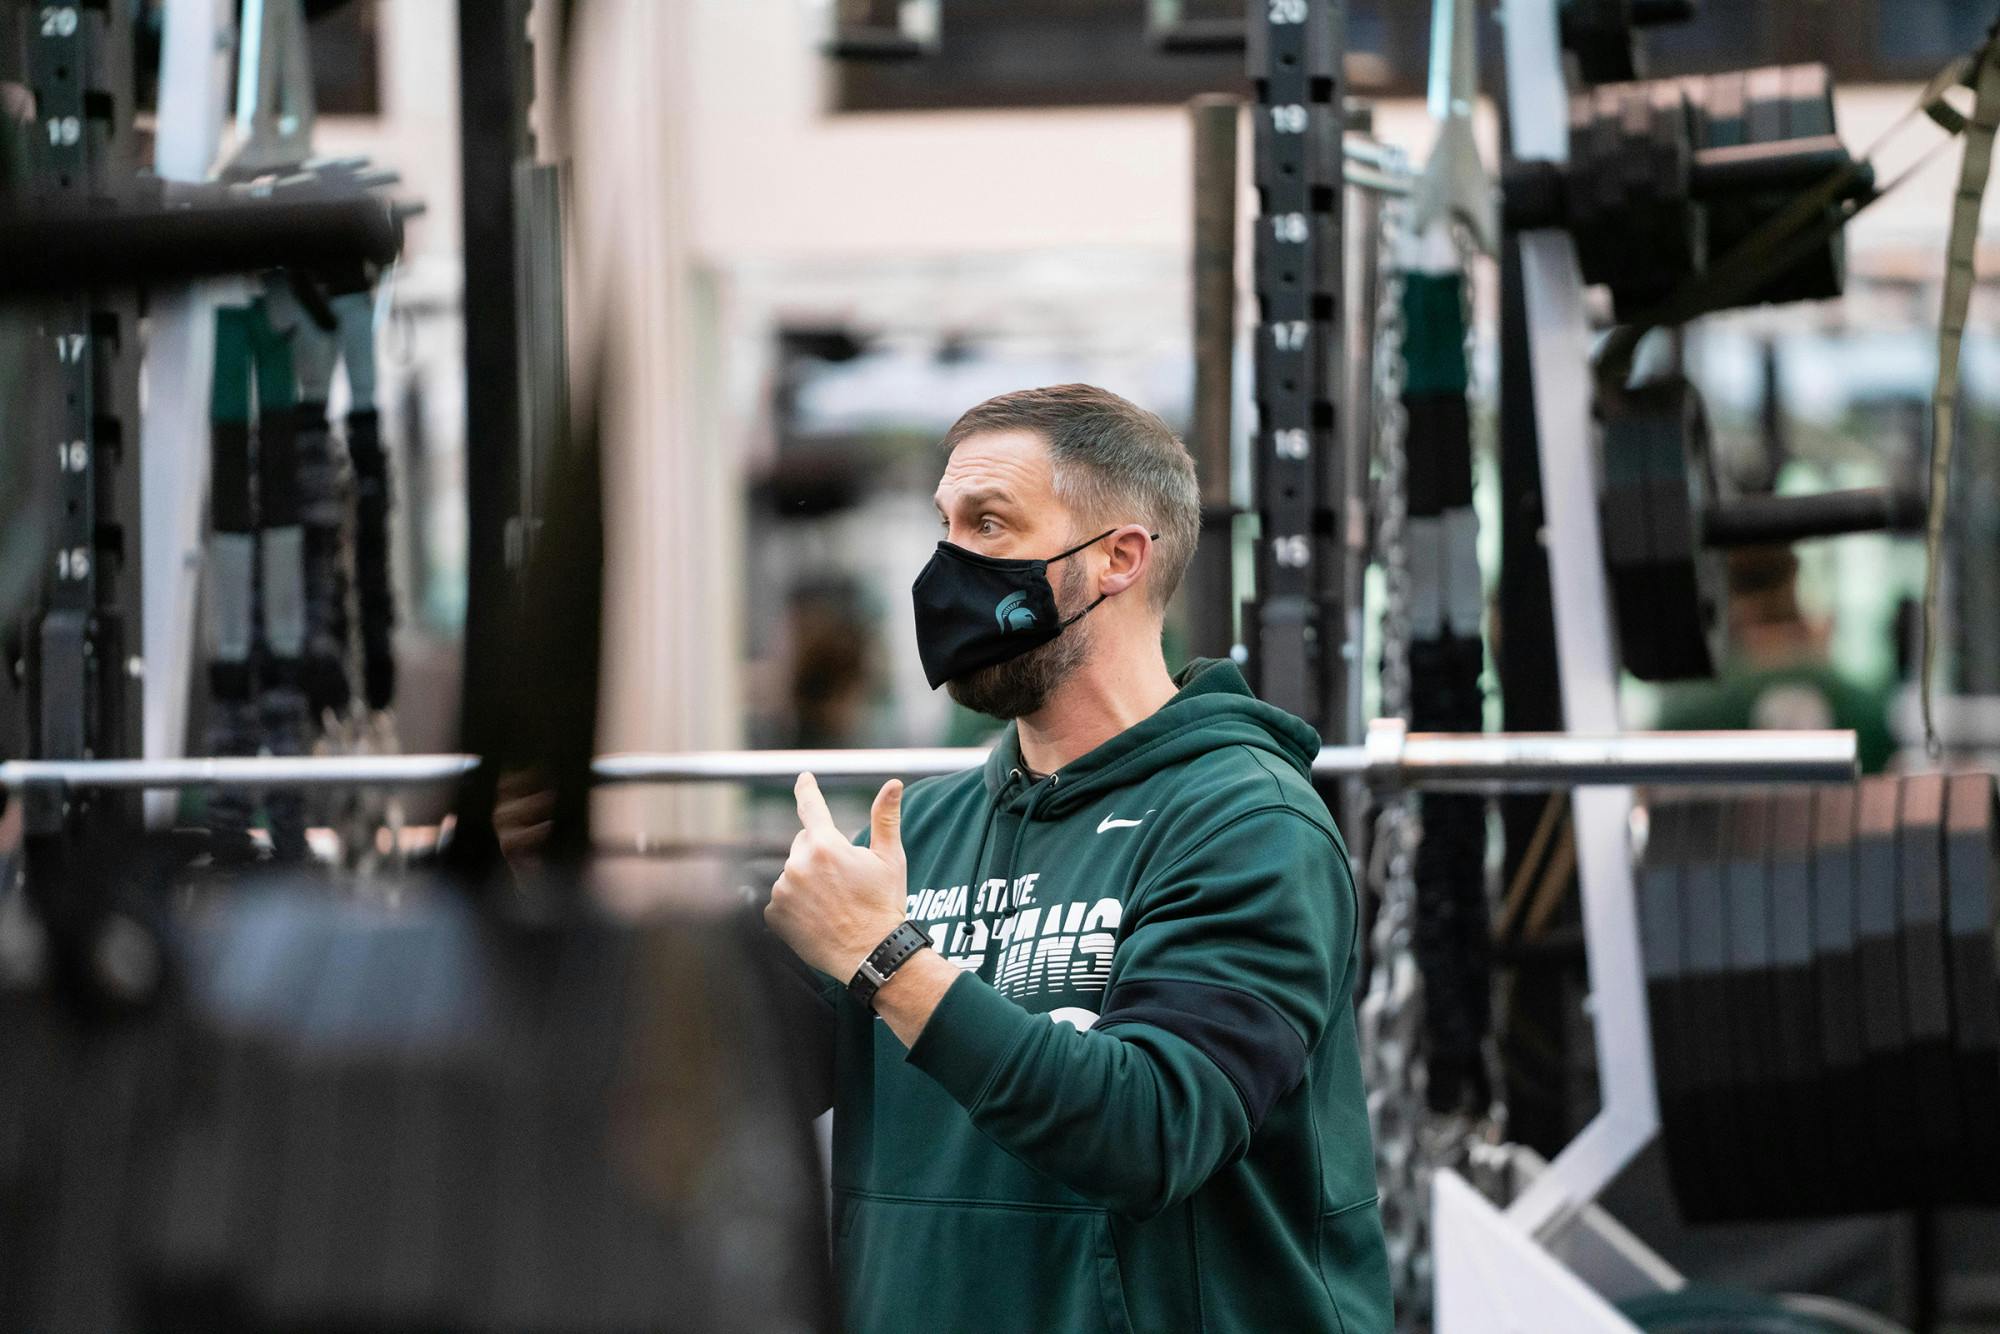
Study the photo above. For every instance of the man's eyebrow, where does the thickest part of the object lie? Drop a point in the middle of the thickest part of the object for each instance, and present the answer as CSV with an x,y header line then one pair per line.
x,y
979,499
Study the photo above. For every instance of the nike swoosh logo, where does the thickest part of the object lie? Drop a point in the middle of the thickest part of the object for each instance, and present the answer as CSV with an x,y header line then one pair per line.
x,y
1109,823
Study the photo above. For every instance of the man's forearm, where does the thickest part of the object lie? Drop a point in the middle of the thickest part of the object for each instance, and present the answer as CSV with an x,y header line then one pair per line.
x,y
907,999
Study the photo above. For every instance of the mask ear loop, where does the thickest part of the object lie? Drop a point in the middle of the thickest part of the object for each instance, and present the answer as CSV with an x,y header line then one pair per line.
x,y
1101,596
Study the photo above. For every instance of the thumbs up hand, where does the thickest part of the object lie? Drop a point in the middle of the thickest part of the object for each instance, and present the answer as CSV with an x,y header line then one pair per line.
x,y
836,902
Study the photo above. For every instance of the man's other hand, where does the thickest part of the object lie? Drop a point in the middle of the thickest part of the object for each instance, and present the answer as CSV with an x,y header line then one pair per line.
x,y
836,902
522,817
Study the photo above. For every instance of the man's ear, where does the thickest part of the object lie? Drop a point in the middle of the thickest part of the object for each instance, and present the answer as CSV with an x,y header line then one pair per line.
x,y
1128,554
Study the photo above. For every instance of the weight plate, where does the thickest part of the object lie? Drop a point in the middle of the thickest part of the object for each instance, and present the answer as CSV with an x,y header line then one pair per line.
x,y
1766,114
1719,101
1799,1092
1845,1112
1705,954
1671,625
1627,530
1660,936
1750,1037
1627,197
1808,100
1760,106
1971,829
1926,986
1809,106
1695,576
1885,1037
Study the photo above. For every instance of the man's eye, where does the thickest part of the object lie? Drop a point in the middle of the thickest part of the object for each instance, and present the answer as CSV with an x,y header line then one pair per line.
x,y
987,527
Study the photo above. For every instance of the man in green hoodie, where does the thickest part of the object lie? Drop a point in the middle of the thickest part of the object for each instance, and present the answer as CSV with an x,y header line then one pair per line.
x,y
1095,1062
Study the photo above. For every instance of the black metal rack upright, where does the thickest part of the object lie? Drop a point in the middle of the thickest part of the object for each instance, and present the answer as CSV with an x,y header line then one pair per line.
x,y
515,365
1294,625
73,680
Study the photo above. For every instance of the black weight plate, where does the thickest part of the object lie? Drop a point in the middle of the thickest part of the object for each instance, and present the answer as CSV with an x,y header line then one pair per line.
x,y
1766,113
1885,1037
1750,1035
1809,115
1803,1144
1720,101
1690,575
1808,101
1627,534
1767,105
1705,954
1656,436
1660,938
1845,1112
1626,198
1926,984
1972,887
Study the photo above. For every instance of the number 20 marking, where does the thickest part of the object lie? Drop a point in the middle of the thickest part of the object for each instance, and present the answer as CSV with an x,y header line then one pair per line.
x,y
58,20
1288,11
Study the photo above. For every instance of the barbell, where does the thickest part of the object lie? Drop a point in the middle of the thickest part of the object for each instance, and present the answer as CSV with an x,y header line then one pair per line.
x,y
1391,757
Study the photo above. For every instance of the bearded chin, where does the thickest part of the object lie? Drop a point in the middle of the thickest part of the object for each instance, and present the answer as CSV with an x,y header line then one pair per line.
x,y
1021,686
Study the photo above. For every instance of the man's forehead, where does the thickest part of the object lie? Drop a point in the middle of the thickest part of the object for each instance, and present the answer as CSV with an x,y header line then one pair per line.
x,y
997,463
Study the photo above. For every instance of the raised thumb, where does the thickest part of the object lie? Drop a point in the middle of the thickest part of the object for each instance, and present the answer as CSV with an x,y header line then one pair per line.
x,y
885,819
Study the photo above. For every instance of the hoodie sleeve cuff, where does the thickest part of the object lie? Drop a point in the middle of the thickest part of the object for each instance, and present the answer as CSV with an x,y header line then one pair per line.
x,y
973,1030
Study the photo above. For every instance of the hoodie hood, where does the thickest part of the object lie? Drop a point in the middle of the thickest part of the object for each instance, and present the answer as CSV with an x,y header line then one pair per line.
x,y
1212,708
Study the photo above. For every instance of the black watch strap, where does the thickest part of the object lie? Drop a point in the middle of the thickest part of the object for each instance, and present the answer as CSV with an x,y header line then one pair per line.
x,y
895,951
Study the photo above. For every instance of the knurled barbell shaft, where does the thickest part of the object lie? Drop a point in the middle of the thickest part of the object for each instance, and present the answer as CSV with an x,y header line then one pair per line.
x,y
1437,759
1754,520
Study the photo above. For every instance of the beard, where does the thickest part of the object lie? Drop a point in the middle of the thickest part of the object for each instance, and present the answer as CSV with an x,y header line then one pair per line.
x,y
1021,686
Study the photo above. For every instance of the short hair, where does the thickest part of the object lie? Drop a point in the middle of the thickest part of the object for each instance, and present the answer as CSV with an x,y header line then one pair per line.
x,y
1112,461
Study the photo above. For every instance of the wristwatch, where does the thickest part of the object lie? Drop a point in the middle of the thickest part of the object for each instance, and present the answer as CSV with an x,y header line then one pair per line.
x,y
895,951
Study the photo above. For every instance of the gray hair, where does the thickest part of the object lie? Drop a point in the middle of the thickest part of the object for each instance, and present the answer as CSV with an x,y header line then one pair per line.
x,y
1113,463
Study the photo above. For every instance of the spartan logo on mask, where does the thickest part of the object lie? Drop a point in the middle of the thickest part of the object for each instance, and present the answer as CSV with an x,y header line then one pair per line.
x,y
1014,613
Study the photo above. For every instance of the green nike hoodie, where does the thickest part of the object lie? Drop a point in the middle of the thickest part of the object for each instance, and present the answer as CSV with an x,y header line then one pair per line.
x,y
1140,1107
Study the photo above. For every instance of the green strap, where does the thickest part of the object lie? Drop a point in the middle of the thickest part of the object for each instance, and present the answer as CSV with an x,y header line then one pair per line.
x,y
1434,333
1958,281
229,389
277,383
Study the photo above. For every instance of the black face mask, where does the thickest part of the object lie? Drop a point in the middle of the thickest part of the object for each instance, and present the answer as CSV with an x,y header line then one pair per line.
x,y
974,611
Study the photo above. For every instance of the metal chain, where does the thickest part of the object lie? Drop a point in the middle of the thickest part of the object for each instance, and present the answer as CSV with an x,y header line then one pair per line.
x,y
1492,1128
1391,1012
